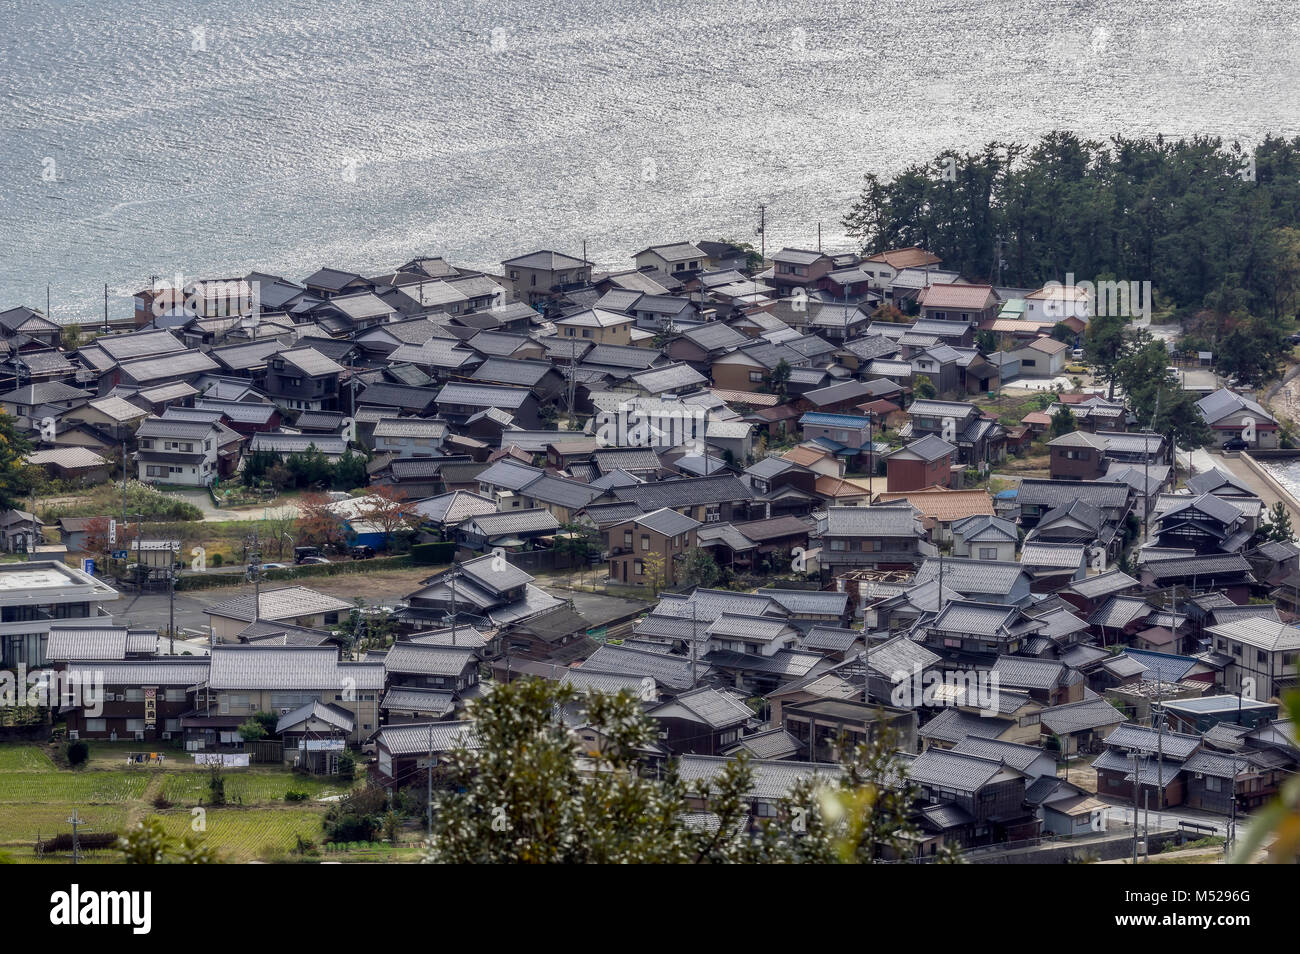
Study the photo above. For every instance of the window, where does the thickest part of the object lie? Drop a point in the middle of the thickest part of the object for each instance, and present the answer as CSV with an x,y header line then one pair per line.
x,y
638,568
532,280
586,332
645,541
988,553
569,332
514,274
627,539
756,377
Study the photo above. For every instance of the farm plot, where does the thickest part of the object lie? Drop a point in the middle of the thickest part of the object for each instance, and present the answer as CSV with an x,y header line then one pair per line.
x,y
242,835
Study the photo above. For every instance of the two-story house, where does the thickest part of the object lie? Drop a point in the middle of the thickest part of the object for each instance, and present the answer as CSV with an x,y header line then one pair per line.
x,y
303,379
651,548
534,277
177,452
880,538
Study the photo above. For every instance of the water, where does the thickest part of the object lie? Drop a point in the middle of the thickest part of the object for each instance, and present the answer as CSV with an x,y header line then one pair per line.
x,y
1286,472
156,138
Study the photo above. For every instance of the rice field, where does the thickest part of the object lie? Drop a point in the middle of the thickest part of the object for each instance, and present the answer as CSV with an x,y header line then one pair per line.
x,y
37,797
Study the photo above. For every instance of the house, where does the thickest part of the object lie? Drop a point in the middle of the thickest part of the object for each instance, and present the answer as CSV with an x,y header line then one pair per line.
x,y
1044,357
25,322
37,593
1078,455
297,605
984,581
537,276
1079,728
883,267
143,699
1137,756
1231,416
939,508
1263,653
722,498
458,402
925,462
882,538
487,591
1036,497
703,721
680,257
969,303
986,795
796,268
663,533
408,437
184,453
515,529
303,379
71,464
313,735
596,325
825,730
985,537
977,439
245,679
415,665
1202,524
1055,302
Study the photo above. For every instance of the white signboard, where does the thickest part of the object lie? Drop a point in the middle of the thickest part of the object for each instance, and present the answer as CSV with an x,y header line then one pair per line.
x,y
221,758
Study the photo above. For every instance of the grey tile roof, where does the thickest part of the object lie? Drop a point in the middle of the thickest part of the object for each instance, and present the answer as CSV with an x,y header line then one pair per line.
x,y
670,523
810,602
986,577
409,658
483,395
771,780
947,769
872,522
163,671
437,702
714,708
1080,716
86,641
254,667
280,604
419,738
693,491
1175,745
513,521
753,628
673,672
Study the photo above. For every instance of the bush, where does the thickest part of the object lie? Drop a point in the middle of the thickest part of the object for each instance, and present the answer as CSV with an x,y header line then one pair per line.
x,y
434,552
347,766
161,801
218,559
292,796
78,753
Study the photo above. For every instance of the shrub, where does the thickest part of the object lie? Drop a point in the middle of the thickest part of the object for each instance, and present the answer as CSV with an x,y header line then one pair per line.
x,y
293,796
161,801
78,753
433,552
218,559
347,766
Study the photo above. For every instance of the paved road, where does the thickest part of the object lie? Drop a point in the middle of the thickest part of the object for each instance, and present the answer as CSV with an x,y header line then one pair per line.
x,y
1262,490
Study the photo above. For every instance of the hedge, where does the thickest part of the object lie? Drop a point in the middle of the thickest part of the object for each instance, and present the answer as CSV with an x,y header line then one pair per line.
x,y
204,581
444,552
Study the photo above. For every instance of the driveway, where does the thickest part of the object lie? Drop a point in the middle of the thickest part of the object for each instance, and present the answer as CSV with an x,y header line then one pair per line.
x,y
213,514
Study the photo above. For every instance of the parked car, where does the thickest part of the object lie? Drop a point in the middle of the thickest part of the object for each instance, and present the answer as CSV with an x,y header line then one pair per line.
x,y
313,560
274,566
1077,354
362,551
303,554
1236,444
1076,368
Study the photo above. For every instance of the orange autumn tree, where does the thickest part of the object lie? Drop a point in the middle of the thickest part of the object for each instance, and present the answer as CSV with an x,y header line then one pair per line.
x,y
97,535
391,511
317,524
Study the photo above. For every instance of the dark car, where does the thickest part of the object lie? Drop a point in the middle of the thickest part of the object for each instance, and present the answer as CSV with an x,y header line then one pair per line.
x,y
362,552
1236,444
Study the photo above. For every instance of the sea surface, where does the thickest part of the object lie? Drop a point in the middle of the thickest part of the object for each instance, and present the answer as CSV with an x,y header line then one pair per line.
x,y
201,139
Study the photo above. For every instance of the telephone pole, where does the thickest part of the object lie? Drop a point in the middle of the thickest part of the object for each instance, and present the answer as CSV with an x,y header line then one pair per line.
x,y
762,231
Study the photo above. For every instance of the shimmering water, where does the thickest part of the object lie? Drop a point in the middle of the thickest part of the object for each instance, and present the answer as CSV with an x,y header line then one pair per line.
x,y
150,137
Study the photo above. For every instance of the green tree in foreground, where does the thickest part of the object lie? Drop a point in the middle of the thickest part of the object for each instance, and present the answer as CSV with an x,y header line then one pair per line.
x,y
149,844
15,480
1278,527
700,568
529,792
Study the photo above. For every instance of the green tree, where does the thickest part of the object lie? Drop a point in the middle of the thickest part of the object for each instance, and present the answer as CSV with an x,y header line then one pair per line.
x,y
529,792
923,387
1253,353
70,337
15,481
1278,526
250,730
149,844
700,568
349,472
1104,346
779,380
1063,422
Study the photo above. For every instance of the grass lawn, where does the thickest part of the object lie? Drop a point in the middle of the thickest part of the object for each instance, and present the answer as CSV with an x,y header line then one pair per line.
x,y
37,796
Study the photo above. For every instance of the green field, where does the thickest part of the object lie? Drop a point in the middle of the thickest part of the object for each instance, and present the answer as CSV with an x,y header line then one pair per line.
x,y
37,797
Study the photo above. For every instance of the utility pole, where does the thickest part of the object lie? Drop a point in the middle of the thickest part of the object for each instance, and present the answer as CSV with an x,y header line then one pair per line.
x,y
171,604
428,774
762,232
1136,785
77,822
105,307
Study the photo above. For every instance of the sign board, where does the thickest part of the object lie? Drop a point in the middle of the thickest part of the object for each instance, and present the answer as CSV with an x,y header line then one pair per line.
x,y
151,707
88,566
322,745
112,532
231,760
119,554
